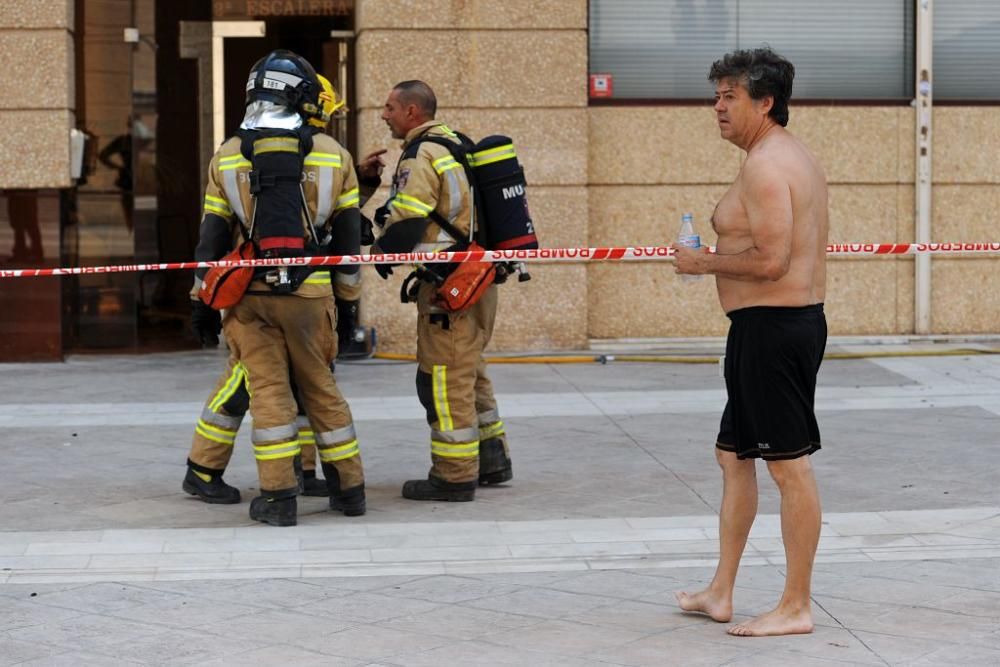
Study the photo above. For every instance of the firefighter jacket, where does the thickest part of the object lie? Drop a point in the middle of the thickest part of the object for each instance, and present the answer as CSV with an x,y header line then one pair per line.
x,y
427,180
330,185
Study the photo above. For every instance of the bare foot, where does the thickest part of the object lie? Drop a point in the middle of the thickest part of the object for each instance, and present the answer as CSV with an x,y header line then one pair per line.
x,y
773,623
716,607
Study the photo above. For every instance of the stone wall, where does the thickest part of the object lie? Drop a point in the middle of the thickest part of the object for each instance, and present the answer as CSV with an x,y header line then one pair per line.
x,y
36,92
522,72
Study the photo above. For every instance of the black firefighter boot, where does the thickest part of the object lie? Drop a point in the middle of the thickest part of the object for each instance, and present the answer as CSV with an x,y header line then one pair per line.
x,y
494,464
312,485
435,488
207,484
349,501
278,508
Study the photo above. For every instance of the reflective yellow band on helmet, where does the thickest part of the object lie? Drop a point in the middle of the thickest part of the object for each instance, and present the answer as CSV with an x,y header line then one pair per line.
x,y
505,152
317,159
282,450
233,383
448,450
276,145
214,433
318,278
411,204
494,430
439,388
339,453
348,199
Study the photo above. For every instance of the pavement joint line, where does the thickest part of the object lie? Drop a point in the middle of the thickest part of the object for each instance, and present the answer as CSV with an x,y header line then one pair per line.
x,y
619,551
931,392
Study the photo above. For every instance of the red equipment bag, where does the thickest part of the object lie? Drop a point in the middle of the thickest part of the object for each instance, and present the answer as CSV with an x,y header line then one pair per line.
x,y
466,284
224,286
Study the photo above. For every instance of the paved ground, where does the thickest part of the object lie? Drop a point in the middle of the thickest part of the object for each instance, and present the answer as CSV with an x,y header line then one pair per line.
x,y
104,561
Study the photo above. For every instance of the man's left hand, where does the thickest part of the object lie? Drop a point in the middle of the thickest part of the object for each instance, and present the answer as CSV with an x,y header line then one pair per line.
x,y
692,261
371,165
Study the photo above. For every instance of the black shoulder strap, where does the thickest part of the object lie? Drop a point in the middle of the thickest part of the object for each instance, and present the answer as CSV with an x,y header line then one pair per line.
x,y
459,151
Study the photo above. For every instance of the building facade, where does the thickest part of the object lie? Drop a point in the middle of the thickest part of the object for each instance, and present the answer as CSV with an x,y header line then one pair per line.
x,y
154,84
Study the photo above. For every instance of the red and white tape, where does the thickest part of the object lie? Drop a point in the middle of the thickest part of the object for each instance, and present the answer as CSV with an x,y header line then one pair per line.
x,y
541,256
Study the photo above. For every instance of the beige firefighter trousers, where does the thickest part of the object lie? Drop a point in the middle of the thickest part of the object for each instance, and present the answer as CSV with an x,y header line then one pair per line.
x,y
453,385
270,335
215,432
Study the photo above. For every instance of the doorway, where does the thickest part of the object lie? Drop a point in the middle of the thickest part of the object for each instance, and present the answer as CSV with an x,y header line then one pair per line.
x,y
141,200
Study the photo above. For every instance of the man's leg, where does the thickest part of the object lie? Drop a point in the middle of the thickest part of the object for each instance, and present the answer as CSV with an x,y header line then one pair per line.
x,y
312,346
260,347
800,527
448,349
214,435
739,508
494,454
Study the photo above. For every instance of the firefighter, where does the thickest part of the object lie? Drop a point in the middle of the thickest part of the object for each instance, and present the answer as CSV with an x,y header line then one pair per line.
x,y
215,432
468,440
292,192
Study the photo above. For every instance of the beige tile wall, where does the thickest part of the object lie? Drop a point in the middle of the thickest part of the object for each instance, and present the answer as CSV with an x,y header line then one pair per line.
x,y
518,69
37,14
36,92
639,188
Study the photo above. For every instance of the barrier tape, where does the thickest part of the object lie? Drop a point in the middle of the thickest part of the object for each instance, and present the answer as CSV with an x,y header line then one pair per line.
x,y
541,255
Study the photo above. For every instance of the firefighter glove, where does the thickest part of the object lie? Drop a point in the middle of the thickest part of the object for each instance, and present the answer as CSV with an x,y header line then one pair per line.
x,y
206,322
367,233
384,270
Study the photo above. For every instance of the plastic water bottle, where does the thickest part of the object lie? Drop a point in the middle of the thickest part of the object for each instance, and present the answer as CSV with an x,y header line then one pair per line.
x,y
687,238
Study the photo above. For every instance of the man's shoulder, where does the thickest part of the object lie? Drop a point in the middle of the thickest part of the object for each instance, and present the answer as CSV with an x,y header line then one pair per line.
x,y
324,143
228,148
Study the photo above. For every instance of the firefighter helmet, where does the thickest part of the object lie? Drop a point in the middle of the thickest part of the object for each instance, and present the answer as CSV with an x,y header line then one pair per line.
x,y
285,78
329,103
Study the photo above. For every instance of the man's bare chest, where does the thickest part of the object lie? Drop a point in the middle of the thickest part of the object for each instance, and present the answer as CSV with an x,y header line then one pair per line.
x,y
730,217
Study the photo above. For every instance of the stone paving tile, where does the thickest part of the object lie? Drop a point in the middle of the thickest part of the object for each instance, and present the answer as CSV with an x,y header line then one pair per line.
x,y
367,607
21,613
179,612
486,653
181,647
677,649
448,589
900,650
79,659
278,593
643,617
372,642
104,598
961,656
86,632
284,654
461,623
566,638
359,583
15,652
613,584
535,602
280,626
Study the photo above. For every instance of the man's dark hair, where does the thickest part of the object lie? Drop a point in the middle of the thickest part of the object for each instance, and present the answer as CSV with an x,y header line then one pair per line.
x,y
418,93
763,72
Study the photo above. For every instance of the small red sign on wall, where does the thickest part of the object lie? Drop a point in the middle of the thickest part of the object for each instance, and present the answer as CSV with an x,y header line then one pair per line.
x,y
601,85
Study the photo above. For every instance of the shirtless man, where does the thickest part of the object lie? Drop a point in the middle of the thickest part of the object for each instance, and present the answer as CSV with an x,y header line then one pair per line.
x,y
771,277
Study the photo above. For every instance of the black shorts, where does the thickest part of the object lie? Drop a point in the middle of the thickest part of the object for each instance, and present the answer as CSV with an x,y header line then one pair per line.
x,y
772,356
